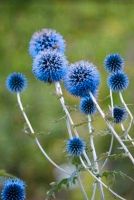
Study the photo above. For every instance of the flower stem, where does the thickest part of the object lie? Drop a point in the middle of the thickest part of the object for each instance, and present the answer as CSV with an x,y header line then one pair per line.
x,y
36,139
98,180
94,191
70,124
69,118
125,105
94,155
112,129
82,188
109,151
127,136
112,102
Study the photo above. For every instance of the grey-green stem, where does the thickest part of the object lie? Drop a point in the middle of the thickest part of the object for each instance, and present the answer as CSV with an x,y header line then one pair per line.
x,y
36,139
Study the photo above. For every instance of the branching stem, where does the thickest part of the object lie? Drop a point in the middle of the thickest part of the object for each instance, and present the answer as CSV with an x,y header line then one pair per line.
x,y
94,155
98,180
112,129
36,139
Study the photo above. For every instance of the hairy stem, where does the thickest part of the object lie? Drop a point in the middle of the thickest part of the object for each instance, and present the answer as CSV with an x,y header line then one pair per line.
x,y
130,114
36,139
82,188
98,180
112,129
109,152
94,155
125,105
127,136
112,102
62,101
94,191
70,126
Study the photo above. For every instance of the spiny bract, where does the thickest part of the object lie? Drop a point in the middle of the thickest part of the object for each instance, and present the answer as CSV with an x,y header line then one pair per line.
x,y
82,78
50,66
13,189
46,39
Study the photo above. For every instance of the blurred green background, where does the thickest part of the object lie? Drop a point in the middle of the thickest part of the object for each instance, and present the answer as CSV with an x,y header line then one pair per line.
x,y
92,29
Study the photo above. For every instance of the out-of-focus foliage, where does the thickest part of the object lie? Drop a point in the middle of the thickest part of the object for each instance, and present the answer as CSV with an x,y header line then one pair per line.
x,y
92,30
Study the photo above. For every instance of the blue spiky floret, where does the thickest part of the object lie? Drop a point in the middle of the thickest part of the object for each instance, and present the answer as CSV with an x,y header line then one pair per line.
x,y
75,146
82,77
16,82
118,81
13,189
87,106
114,63
46,39
119,114
50,66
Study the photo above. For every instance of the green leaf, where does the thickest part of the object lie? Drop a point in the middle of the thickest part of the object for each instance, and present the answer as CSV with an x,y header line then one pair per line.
x,y
64,183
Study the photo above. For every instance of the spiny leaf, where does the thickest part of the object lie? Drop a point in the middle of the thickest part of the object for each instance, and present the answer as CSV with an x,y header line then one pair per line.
x,y
64,183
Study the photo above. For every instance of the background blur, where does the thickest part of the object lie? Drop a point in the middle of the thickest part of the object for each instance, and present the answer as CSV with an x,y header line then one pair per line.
x,y
92,29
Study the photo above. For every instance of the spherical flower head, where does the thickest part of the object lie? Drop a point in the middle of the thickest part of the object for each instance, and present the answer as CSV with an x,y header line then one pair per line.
x,y
75,146
46,39
87,106
16,82
50,66
119,114
13,189
118,81
114,63
82,78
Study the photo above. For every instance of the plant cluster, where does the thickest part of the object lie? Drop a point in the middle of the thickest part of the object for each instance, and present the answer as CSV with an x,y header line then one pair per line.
x,y
81,79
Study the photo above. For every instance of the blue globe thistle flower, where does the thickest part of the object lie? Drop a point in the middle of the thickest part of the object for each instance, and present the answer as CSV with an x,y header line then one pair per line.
x,y
118,81
46,39
87,106
75,146
13,189
82,77
16,82
119,114
49,66
114,63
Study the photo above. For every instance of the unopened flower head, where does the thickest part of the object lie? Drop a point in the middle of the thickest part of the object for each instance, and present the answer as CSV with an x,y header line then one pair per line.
x,y
118,81
87,106
119,114
75,146
16,82
114,63
46,39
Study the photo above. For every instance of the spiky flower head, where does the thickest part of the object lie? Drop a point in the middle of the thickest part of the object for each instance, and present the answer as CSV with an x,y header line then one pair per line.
x,y
118,81
82,77
16,82
13,189
114,63
50,66
46,39
75,146
119,114
87,106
